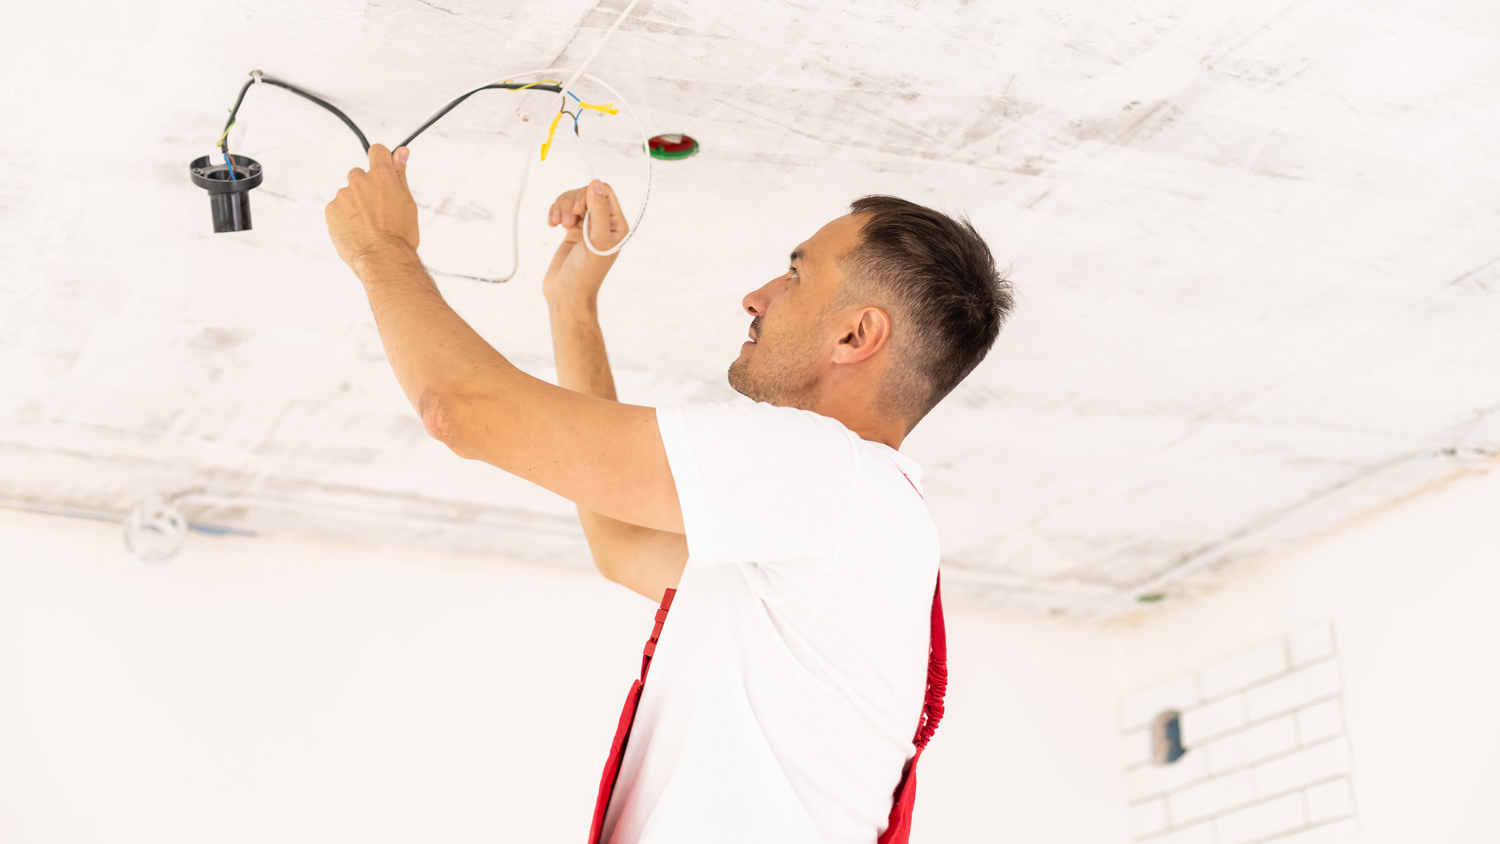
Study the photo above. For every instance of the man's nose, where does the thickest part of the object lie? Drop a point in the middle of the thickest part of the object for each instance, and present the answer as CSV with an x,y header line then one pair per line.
x,y
755,301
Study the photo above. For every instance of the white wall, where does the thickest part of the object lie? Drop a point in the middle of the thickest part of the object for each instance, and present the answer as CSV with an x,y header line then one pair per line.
x,y
1026,753
256,690
1410,595
1268,751
271,689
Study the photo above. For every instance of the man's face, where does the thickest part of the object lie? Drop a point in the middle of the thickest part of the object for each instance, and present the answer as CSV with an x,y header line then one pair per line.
x,y
791,335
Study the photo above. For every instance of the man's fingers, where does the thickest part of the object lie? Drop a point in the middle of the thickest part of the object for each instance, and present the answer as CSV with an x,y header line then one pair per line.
x,y
380,157
598,199
572,210
604,204
606,224
614,206
399,157
562,210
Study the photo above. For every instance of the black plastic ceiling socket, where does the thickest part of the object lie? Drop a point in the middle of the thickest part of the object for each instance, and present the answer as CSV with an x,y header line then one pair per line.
x,y
228,196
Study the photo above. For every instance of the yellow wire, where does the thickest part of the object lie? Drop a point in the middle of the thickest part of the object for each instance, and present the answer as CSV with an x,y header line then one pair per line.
x,y
226,132
550,129
607,108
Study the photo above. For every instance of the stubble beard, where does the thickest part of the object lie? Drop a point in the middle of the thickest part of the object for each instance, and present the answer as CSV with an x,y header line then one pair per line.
x,y
774,381
743,382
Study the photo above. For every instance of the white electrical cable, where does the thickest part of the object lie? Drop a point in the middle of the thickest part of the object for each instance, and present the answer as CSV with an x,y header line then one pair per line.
x,y
645,148
515,234
568,86
516,217
583,151
579,73
645,145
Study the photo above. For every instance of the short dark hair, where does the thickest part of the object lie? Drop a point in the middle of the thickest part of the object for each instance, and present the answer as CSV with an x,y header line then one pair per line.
x,y
939,277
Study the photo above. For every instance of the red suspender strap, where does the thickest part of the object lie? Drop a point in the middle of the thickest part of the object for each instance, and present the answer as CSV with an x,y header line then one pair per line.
x,y
627,719
937,670
898,827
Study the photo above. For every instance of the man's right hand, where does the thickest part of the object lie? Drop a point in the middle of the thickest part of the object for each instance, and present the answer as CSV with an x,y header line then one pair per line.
x,y
646,560
575,271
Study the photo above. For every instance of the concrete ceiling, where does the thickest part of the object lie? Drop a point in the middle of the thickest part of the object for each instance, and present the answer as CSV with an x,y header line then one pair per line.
x,y
1256,244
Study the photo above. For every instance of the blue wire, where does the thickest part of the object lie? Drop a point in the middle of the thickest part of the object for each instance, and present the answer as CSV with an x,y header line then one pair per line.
x,y
230,164
574,96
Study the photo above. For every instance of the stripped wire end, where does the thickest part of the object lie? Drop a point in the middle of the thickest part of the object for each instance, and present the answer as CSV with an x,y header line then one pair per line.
x,y
551,130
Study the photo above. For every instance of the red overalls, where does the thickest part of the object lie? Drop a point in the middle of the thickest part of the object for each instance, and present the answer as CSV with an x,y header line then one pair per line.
x,y
898,828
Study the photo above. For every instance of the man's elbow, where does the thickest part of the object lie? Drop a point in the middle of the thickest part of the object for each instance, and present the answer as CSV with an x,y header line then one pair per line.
x,y
440,416
605,569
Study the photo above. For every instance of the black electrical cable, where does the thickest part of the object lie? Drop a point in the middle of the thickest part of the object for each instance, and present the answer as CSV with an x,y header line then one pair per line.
x,y
513,86
224,143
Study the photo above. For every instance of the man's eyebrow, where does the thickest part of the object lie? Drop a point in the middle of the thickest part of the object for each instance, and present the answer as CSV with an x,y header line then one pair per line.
x,y
797,255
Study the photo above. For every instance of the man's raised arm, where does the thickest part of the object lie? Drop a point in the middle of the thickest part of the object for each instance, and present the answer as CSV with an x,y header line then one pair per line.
x,y
642,559
600,454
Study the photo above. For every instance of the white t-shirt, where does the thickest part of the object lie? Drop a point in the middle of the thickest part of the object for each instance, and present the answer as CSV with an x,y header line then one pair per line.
x,y
789,677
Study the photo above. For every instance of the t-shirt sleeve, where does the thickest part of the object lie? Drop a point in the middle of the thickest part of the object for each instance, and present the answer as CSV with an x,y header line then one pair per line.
x,y
758,483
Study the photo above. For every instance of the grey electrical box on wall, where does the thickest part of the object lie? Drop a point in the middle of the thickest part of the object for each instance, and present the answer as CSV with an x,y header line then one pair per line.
x,y
1166,738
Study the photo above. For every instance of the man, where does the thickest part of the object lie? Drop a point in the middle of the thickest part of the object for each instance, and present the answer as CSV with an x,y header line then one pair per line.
x,y
786,685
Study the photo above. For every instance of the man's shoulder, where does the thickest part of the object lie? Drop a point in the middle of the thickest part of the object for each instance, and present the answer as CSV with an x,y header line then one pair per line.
x,y
762,416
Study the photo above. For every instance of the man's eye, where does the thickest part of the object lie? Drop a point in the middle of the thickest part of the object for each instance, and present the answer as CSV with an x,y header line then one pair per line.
x,y
791,271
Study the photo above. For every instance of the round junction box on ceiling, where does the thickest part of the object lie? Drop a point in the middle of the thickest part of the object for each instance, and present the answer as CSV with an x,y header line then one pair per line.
x,y
673,147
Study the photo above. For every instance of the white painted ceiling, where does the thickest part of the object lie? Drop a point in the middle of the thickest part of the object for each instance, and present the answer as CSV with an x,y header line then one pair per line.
x,y
1256,244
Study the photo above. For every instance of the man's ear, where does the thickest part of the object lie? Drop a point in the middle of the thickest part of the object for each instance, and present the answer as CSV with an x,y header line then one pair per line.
x,y
865,337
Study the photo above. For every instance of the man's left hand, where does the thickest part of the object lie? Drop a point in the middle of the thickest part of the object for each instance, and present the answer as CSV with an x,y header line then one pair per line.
x,y
375,212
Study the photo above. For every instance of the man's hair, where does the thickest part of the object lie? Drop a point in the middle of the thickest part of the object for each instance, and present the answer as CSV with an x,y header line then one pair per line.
x,y
937,274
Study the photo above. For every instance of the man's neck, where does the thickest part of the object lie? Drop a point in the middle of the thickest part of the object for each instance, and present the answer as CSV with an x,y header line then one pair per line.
x,y
865,420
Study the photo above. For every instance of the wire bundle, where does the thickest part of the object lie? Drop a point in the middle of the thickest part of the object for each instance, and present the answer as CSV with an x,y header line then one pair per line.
x,y
564,91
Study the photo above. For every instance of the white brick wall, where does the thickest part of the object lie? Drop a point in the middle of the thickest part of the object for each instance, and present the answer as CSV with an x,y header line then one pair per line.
x,y
1209,721
1148,818
1329,801
1307,766
1141,707
1151,780
1211,797
1244,670
1262,820
1319,721
1297,689
1135,747
1252,744
1267,758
